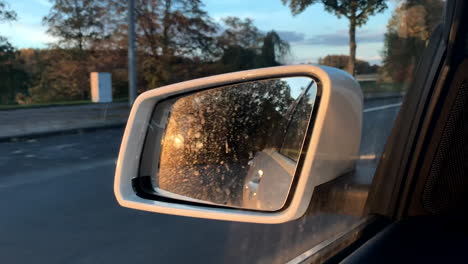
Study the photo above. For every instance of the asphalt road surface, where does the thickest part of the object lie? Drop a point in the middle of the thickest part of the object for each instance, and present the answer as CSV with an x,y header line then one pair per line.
x,y
57,206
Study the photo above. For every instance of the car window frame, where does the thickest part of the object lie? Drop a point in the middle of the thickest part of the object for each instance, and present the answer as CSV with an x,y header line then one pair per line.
x,y
389,189
398,164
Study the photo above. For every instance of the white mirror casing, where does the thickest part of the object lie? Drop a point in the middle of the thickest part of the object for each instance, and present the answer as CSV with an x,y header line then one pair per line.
x,y
332,149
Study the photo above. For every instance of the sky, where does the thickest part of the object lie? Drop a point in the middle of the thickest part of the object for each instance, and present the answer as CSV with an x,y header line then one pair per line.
x,y
311,34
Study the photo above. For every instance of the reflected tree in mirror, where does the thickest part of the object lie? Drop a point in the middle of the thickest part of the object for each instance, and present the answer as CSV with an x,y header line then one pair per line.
x,y
235,145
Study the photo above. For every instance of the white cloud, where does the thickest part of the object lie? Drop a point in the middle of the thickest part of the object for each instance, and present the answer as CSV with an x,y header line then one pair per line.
x,y
23,35
341,38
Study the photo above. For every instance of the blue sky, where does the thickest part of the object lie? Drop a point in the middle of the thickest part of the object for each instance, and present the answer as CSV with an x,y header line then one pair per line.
x,y
312,34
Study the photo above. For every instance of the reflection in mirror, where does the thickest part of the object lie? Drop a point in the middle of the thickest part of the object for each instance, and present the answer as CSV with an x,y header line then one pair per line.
x,y
235,145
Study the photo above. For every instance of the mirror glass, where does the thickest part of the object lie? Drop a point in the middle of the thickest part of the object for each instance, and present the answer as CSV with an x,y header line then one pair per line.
x,y
236,145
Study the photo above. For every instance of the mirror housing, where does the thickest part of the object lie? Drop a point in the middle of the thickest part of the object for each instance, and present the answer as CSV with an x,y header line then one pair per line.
x,y
332,145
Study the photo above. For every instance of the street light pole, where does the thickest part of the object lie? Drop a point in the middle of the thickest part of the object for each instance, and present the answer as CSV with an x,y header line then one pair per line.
x,y
132,74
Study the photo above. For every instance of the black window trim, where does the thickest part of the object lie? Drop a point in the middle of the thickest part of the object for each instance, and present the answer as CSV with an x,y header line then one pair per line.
x,y
390,188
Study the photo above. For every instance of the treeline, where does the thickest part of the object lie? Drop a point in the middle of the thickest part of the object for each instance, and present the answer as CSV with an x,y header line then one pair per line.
x,y
408,33
342,62
176,39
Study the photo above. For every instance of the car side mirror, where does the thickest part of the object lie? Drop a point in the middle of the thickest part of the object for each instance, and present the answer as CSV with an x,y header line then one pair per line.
x,y
249,146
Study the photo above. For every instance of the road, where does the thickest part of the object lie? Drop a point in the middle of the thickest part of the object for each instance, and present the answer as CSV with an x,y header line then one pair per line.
x,y
31,121
58,206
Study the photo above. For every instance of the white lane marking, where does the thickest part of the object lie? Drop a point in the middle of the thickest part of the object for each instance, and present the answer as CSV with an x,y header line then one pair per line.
x,y
382,107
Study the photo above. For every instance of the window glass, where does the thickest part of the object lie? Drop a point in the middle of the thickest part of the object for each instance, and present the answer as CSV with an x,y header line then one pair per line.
x,y
64,102
297,125
221,144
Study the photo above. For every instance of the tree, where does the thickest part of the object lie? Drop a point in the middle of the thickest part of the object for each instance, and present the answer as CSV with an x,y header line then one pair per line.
x,y
61,78
244,46
356,11
242,119
14,78
81,27
76,23
5,13
273,49
168,32
342,62
10,72
408,32
60,75
240,32
186,28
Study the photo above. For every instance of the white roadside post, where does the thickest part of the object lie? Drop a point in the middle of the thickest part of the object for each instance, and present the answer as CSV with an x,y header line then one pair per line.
x,y
101,87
